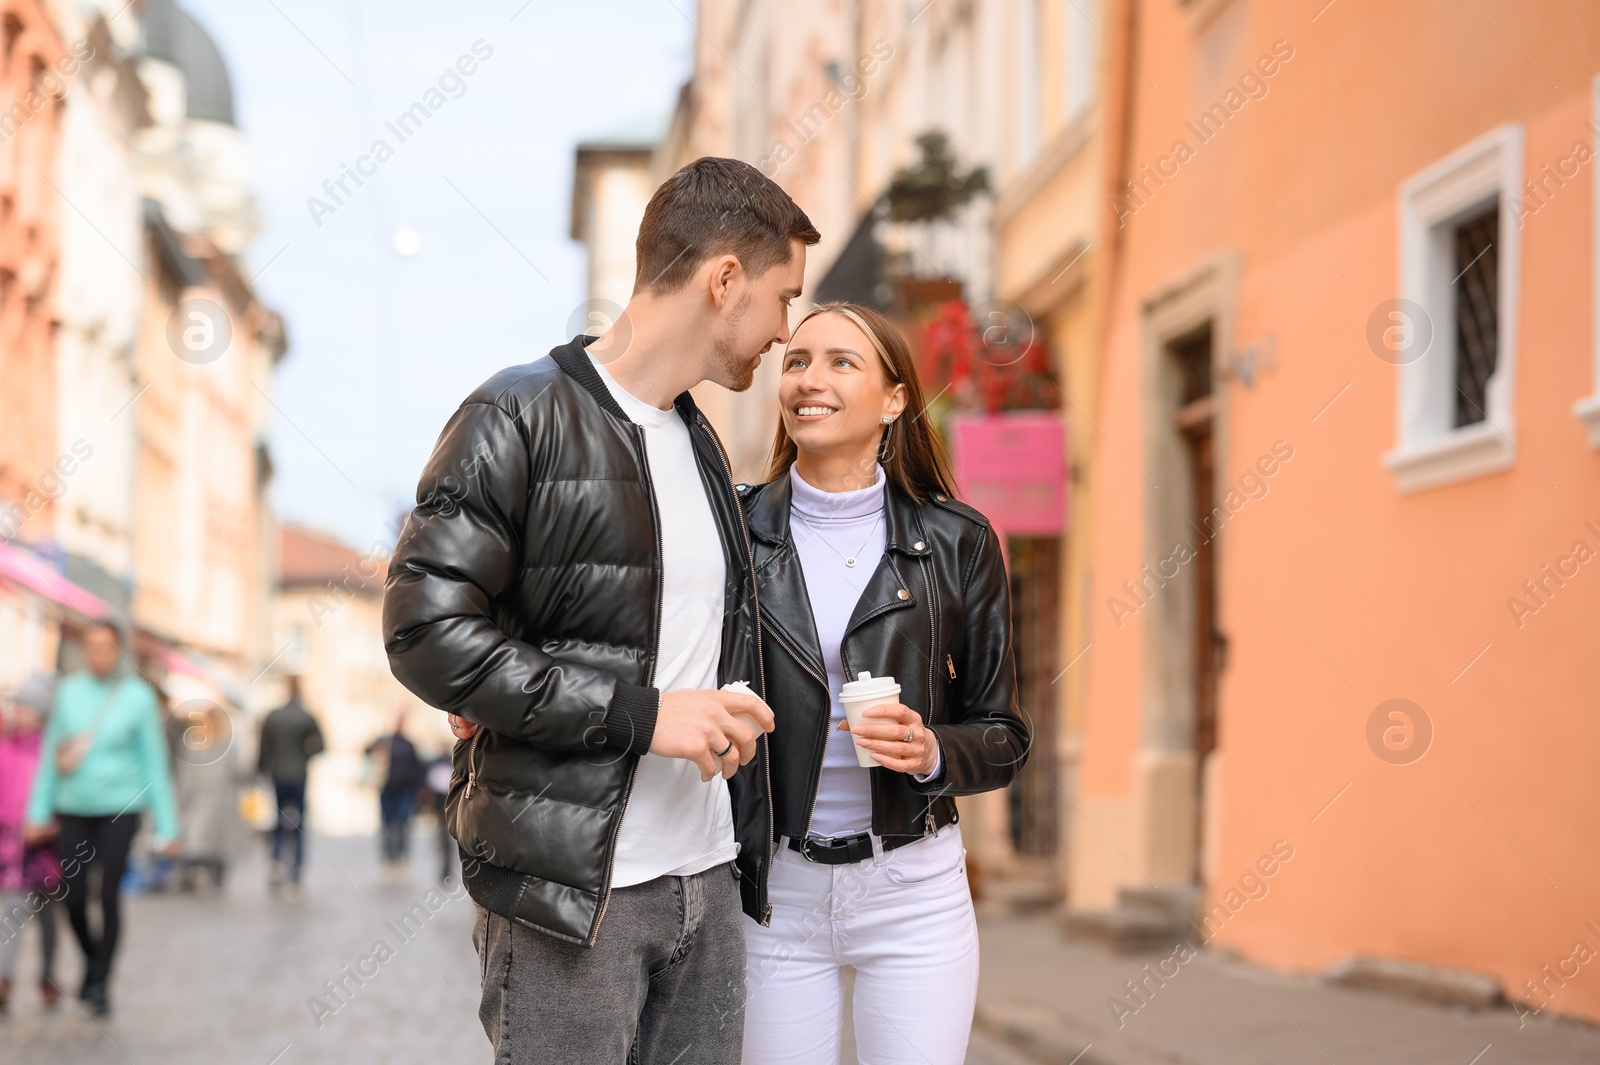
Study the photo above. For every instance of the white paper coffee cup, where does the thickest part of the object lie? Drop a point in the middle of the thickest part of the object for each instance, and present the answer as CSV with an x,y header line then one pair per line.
x,y
744,689
858,696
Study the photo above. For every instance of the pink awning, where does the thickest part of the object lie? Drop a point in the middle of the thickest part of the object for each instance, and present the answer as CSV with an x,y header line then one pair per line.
x,y
178,662
37,576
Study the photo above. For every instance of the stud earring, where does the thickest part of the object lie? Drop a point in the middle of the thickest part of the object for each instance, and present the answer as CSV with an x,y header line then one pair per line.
x,y
887,420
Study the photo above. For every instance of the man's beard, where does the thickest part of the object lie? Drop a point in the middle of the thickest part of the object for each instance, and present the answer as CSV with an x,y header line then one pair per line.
x,y
732,369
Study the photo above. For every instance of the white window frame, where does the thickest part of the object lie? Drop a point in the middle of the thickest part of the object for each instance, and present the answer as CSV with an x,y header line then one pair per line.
x,y
1030,91
1587,409
1429,452
1078,57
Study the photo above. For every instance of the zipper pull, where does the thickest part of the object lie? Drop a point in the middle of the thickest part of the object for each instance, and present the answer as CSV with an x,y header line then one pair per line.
x,y
928,819
950,664
472,763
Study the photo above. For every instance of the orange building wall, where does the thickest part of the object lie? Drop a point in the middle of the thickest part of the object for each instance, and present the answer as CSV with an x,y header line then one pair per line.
x,y
1336,591
29,251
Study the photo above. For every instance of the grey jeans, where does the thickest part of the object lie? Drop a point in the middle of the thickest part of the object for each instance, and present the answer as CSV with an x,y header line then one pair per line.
x,y
663,984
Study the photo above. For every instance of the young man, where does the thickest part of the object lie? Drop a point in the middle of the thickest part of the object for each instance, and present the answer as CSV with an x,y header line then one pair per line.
x,y
574,587
290,738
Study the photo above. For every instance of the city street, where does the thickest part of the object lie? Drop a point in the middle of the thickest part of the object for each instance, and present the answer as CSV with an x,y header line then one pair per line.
x,y
200,976
204,975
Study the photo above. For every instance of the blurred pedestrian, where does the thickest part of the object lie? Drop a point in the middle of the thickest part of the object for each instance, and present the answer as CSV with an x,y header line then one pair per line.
x,y
397,799
290,738
208,776
104,761
436,791
30,875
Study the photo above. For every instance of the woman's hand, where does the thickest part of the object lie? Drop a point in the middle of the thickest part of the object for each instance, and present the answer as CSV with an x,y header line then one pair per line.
x,y
461,728
885,737
35,834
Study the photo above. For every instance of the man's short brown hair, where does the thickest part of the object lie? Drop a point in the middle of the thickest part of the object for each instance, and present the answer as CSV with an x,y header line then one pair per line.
x,y
716,206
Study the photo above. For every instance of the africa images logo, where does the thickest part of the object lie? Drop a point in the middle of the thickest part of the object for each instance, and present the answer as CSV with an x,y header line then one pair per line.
x,y
403,126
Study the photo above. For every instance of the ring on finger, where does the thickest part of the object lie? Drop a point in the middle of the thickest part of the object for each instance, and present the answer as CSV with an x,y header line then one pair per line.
x,y
910,734
726,749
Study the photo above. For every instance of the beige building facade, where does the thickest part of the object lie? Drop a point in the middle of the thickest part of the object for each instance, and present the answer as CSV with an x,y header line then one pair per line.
x,y
830,100
327,617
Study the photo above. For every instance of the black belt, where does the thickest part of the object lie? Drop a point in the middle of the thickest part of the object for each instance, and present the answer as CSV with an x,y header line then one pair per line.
x,y
844,849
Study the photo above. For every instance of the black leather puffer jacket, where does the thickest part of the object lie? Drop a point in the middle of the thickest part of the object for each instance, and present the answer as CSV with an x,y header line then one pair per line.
x,y
525,595
936,616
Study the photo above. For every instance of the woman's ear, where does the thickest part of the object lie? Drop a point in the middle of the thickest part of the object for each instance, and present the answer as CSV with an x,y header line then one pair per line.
x,y
897,402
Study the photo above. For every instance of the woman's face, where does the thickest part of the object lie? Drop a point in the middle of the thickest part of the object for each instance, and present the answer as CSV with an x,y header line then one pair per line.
x,y
835,391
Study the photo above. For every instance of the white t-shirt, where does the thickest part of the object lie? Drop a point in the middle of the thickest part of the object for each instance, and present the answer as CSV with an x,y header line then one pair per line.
x,y
676,824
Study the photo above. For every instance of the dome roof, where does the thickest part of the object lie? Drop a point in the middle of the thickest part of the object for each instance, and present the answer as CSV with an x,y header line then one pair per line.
x,y
172,34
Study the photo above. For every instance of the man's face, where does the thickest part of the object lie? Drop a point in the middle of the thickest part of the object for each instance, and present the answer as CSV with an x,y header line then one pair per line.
x,y
756,318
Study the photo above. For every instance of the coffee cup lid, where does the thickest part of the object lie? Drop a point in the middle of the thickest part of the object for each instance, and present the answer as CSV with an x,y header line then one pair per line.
x,y
866,685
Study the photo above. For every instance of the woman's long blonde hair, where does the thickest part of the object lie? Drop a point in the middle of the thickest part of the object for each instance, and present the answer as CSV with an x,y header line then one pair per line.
x,y
911,453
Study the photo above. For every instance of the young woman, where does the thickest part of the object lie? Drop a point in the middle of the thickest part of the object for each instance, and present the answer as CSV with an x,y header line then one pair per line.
x,y
866,563
103,763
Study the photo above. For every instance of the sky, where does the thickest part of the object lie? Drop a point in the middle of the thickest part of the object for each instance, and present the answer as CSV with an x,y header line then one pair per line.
x,y
384,345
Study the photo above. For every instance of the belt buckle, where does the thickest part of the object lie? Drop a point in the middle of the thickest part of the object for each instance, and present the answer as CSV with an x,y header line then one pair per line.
x,y
805,850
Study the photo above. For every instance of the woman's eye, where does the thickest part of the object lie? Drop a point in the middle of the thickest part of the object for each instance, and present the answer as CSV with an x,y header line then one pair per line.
x,y
841,361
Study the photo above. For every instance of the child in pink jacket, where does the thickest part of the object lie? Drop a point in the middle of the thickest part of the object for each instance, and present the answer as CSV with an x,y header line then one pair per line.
x,y
30,875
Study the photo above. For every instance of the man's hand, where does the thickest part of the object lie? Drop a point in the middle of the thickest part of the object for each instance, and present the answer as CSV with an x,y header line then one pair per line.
x,y
34,834
461,728
700,726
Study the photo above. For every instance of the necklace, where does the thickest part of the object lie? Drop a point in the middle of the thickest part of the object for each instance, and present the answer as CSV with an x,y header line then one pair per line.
x,y
849,560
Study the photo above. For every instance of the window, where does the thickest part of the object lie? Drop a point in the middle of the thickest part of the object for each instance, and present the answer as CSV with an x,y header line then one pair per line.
x,y
1588,408
1477,311
297,653
1029,76
1459,277
1078,56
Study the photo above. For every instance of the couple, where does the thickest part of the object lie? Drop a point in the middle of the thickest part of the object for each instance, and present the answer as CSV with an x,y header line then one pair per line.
x,y
579,580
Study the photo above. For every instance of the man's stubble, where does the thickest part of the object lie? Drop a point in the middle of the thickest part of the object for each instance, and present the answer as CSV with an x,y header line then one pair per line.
x,y
731,369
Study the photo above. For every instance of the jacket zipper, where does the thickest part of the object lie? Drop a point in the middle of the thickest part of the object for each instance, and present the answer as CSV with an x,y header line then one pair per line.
x,y
933,649
950,664
633,771
761,668
472,763
822,734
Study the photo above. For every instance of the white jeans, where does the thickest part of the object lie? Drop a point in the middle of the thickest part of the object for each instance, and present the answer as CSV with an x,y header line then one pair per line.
x,y
903,920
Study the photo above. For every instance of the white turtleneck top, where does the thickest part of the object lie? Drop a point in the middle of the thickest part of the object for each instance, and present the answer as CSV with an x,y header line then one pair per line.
x,y
827,528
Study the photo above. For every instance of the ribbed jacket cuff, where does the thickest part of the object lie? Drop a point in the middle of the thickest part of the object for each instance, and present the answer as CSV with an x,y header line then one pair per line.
x,y
631,722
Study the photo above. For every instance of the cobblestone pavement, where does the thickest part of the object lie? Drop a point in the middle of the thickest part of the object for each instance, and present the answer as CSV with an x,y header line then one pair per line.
x,y
229,977
233,976
209,977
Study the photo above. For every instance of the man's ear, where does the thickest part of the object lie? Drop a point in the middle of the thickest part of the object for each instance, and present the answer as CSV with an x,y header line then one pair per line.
x,y
722,274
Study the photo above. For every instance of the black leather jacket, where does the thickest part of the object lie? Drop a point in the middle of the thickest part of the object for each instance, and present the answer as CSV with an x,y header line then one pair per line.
x,y
935,615
525,595
290,738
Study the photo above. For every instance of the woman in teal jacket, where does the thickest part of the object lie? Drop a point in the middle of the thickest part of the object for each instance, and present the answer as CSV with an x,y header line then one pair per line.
x,y
104,760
